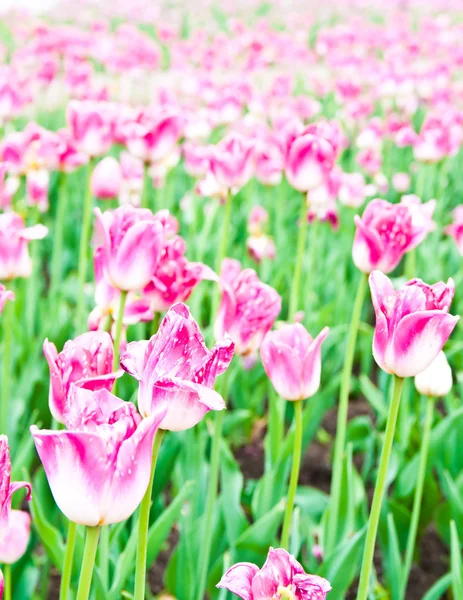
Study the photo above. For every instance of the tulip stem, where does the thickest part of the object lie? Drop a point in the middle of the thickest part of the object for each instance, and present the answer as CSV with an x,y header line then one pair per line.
x,y
7,320
301,243
143,524
210,503
380,487
341,425
297,451
118,332
146,182
410,264
221,255
418,493
91,545
57,257
68,560
83,248
7,581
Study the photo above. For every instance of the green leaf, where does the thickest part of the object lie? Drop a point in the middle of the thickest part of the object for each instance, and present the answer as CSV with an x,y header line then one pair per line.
x,y
374,396
230,497
253,544
456,562
394,558
439,588
49,535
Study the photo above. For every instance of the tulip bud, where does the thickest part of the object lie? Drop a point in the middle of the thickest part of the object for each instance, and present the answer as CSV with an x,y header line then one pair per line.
x,y
106,179
435,380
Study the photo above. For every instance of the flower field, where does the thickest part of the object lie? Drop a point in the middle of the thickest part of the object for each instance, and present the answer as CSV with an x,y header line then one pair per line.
x,y
231,360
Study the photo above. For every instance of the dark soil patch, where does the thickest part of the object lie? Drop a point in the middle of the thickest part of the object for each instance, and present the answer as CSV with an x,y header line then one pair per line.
x,y
156,573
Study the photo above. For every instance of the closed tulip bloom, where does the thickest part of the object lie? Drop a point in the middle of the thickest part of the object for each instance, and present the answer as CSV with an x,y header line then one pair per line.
x,y
231,161
292,360
282,576
86,361
14,542
385,232
5,295
435,380
412,323
310,159
248,308
176,369
7,489
15,260
98,470
132,239
106,179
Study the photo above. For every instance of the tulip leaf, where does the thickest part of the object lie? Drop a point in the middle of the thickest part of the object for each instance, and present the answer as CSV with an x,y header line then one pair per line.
x,y
394,558
439,588
49,535
230,499
456,562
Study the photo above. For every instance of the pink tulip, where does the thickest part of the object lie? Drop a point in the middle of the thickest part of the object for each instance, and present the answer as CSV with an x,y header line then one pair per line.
x,y
292,360
257,220
99,469
421,213
261,247
7,489
107,298
132,179
401,182
196,159
175,369
231,161
175,277
14,239
132,239
455,230
352,190
152,138
5,295
86,361
14,543
106,179
269,161
384,234
309,161
248,308
412,323
37,182
280,577
2,584
91,126
69,157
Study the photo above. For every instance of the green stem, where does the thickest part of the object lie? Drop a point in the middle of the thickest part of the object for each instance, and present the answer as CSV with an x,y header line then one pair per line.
x,y
340,440
309,284
57,257
146,183
297,450
7,581
221,253
117,334
418,493
143,524
68,560
103,556
91,545
83,249
410,264
301,243
155,323
380,487
7,320
212,491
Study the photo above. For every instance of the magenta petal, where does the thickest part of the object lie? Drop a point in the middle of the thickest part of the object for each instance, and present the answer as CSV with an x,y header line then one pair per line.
x,y
238,580
16,539
132,472
133,358
367,248
78,467
57,392
418,339
312,365
283,367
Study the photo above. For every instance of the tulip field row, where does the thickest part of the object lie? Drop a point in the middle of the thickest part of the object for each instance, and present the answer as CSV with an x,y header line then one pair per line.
x,y
231,359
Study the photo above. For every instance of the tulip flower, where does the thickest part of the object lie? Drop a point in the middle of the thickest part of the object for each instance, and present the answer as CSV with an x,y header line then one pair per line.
x,y
7,489
231,162
248,308
106,179
257,220
13,544
435,380
86,361
386,231
175,277
132,179
91,126
37,182
132,241
282,576
99,469
176,369
153,138
2,584
310,159
455,230
412,323
15,260
292,361
261,247
5,295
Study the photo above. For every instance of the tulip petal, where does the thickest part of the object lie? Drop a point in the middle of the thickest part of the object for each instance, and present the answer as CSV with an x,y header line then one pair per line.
x,y
418,339
284,368
132,473
77,467
16,539
238,580
366,239
312,365
36,232
133,358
